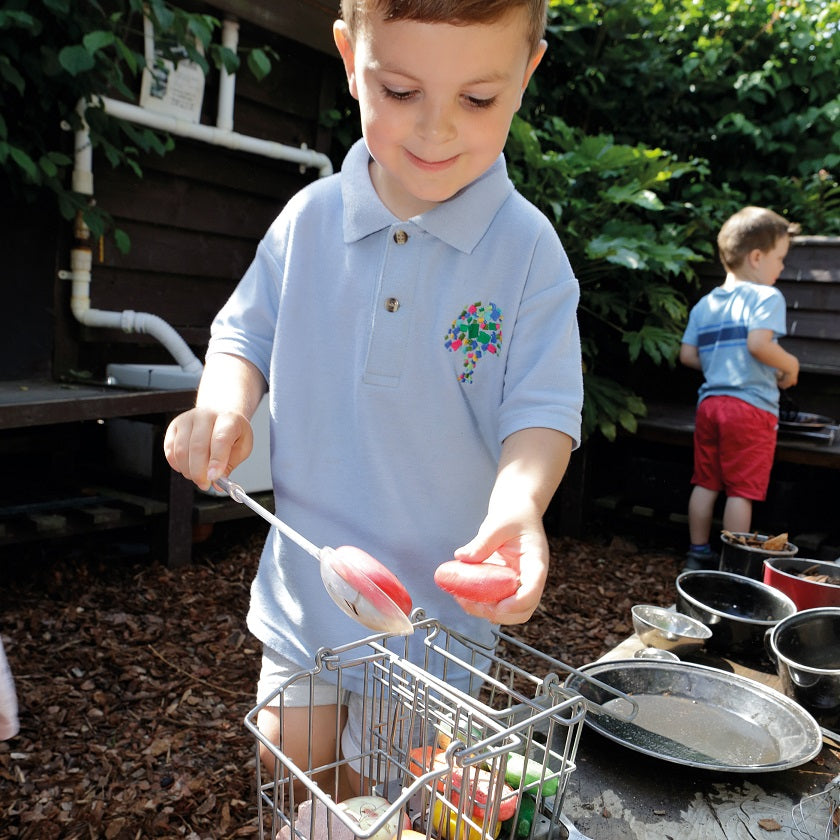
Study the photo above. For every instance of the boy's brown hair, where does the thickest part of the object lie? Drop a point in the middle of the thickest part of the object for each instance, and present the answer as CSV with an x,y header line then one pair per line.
x,y
748,229
456,12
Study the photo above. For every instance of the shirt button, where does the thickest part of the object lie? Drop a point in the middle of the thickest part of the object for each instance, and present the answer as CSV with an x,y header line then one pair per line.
x,y
400,237
392,304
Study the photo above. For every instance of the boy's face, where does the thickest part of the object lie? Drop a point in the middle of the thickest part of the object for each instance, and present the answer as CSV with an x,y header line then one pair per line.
x,y
768,265
436,101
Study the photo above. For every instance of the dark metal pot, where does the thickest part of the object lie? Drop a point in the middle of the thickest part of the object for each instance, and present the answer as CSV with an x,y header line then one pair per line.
x,y
806,650
748,560
738,610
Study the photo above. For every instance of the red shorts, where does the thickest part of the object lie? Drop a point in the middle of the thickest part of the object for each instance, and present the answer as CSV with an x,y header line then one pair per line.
x,y
734,445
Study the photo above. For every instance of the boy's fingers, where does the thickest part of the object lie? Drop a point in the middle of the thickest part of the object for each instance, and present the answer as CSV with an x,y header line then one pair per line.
x,y
230,443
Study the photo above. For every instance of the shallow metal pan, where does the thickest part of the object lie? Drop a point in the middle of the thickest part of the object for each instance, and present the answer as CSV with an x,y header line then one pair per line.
x,y
805,420
698,716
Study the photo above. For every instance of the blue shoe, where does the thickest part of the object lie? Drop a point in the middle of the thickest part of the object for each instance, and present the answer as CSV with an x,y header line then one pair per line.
x,y
698,560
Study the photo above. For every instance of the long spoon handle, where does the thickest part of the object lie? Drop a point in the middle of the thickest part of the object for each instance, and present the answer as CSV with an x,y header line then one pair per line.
x,y
239,495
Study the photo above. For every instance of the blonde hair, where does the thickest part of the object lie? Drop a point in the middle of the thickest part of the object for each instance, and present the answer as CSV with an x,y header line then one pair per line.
x,y
748,229
456,12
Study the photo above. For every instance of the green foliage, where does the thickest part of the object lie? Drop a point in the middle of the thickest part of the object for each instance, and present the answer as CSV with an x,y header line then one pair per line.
x,y
752,88
628,241
647,124
608,405
57,53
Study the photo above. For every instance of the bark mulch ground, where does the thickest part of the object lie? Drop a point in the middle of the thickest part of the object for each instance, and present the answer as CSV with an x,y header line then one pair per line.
x,y
133,680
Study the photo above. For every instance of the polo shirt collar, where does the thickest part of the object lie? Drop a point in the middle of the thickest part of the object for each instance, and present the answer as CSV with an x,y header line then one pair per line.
x,y
460,222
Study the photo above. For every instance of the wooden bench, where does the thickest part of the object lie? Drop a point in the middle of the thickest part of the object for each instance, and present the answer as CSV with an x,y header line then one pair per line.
x,y
674,424
61,482
42,426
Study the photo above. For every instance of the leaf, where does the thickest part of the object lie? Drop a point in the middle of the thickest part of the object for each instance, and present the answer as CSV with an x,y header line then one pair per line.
x,y
48,166
10,75
98,40
201,29
631,194
76,59
259,64
620,251
22,159
122,241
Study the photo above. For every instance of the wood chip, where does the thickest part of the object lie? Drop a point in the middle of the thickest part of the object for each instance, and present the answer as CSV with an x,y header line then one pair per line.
x,y
769,824
134,680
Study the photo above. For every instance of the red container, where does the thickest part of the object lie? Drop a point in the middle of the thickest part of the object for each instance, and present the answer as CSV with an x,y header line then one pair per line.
x,y
783,574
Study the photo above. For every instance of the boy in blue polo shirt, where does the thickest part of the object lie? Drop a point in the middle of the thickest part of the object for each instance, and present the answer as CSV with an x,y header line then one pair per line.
x,y
414,321
732,337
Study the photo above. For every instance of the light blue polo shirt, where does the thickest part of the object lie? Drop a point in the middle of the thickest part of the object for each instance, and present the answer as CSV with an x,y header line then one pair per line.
x,y
399,355
718,326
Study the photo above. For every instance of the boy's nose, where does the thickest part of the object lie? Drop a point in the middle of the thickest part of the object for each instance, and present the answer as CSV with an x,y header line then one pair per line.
x,y
436,122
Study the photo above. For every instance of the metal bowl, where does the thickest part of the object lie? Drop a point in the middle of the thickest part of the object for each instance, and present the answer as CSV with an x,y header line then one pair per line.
x,y
665,629
656,653
737,609
806,651
748,560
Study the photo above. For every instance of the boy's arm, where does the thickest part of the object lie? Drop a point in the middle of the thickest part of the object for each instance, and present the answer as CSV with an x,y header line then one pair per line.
x,y
214,437
532,463
766,350
690,356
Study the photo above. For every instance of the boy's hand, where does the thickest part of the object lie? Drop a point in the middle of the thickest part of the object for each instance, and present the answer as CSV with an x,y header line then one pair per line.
x,y
203,444
519,542
788,378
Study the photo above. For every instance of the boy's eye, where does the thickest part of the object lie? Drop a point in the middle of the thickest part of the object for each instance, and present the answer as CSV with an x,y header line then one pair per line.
x,y
399,95
407,95
475,102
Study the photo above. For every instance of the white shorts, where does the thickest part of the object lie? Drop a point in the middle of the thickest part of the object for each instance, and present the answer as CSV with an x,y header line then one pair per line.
x,y
276,669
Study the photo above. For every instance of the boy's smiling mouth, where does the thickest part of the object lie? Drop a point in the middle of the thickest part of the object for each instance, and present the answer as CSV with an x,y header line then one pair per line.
x,y
431,165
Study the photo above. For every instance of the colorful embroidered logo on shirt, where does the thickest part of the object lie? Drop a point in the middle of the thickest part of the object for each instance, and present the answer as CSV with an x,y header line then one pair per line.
x,y
476,331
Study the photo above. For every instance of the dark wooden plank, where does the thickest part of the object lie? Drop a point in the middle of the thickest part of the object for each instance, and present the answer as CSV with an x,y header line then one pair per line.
x,y
809,295
308,21
820,263
182,301
823,324
814,356
186,204
41,403
189,253
179,529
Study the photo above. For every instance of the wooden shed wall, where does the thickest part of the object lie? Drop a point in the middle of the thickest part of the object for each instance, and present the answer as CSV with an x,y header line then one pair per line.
x,y
194,220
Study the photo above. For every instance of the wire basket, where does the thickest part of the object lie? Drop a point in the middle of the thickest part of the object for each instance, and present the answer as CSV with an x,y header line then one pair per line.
x,y
467,746
817,817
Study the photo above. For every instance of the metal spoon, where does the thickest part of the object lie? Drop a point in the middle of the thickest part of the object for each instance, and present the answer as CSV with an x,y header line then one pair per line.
x,y
350,587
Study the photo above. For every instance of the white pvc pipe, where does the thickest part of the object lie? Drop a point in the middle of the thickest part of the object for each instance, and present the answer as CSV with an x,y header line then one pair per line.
x,y
82,180
220,135
227,81
216,136
128,320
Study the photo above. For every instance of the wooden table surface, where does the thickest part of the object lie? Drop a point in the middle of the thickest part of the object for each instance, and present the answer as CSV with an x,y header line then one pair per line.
x,y
616,793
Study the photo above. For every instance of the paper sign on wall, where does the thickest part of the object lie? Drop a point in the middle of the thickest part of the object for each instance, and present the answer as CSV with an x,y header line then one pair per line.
x,y
171,84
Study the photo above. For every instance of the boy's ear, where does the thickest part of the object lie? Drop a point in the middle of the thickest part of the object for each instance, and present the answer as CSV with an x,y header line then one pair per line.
x,y
341,35
754,257
533,63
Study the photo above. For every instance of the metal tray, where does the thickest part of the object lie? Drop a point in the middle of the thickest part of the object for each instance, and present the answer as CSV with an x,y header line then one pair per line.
x,y
805,420
698,716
